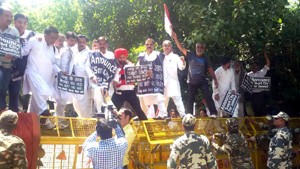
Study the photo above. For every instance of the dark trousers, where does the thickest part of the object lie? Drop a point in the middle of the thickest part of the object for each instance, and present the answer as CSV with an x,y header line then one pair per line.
x,y
5,76
258,102
14,88
132,99
192,92
125,167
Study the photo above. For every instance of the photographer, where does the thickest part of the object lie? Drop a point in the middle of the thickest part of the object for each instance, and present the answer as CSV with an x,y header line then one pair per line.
x,y
109,151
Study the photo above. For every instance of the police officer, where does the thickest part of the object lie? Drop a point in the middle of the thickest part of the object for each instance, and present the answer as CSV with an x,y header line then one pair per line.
x,y
280,148
192,150
12,148
235,145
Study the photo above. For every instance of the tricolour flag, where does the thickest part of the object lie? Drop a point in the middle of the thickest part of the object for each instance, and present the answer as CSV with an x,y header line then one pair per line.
x,y
168,25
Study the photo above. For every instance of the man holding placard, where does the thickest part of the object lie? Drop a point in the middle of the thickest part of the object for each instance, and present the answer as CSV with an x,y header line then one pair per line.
x,y
225,77
125,91
152,89
9,35
101,69
257,97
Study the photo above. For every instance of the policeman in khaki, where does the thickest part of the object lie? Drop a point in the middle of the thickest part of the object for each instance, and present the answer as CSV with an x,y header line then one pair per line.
x,y
235,145
12,148
192,150
280,148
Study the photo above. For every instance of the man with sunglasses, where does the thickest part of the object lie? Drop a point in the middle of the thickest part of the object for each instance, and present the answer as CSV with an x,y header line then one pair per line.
x,y
280,147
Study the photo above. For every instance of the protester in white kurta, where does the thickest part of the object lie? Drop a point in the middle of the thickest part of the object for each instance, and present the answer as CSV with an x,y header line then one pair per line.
x,y
100,95
82,103
66,64
154,98
41,69
171,64
225,77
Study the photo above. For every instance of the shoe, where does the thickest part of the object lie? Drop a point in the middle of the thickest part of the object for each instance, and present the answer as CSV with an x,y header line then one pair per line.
x,y
157,118
62,125
48,125
213,116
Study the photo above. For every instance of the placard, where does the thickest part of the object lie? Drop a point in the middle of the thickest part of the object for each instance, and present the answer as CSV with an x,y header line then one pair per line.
x,y
69,83
230,102
103,68
247,84
263,83
155,83
136,73
10,45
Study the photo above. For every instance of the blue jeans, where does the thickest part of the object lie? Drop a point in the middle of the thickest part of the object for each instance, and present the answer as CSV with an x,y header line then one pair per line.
x,y
14,88
5,76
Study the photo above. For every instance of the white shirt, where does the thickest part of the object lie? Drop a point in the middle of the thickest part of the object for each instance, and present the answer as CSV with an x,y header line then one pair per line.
x,y
171,64
225,82
41,63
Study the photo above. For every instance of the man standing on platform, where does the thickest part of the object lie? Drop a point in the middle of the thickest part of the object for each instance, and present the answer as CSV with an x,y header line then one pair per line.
x,y
125,92
172,63
40,73
151,90
199,64
257,97
82,103
6,59
19,66
101,70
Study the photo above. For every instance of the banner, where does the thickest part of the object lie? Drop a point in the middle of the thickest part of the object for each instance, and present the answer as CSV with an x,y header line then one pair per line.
x,y
103,68
168,24
136,73
69,83
230,102
9,45
263,83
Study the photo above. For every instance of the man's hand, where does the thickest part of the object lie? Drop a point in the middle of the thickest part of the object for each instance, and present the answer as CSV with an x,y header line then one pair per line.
x,y
64,72
174,35
149,74
233,91
182,59
217,97
216,84
115,83
8,56
104,92
94,79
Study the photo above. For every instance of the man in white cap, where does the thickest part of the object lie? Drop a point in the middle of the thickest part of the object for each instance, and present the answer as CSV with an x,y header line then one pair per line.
x,y
193,150
280,148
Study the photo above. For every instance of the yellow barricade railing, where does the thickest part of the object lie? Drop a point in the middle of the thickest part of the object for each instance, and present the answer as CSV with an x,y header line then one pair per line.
x,y
151,147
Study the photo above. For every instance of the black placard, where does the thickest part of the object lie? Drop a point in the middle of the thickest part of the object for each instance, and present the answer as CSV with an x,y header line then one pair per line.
x,y
263,83
247,84
230,102
103,68
69,83
136,73
9,45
